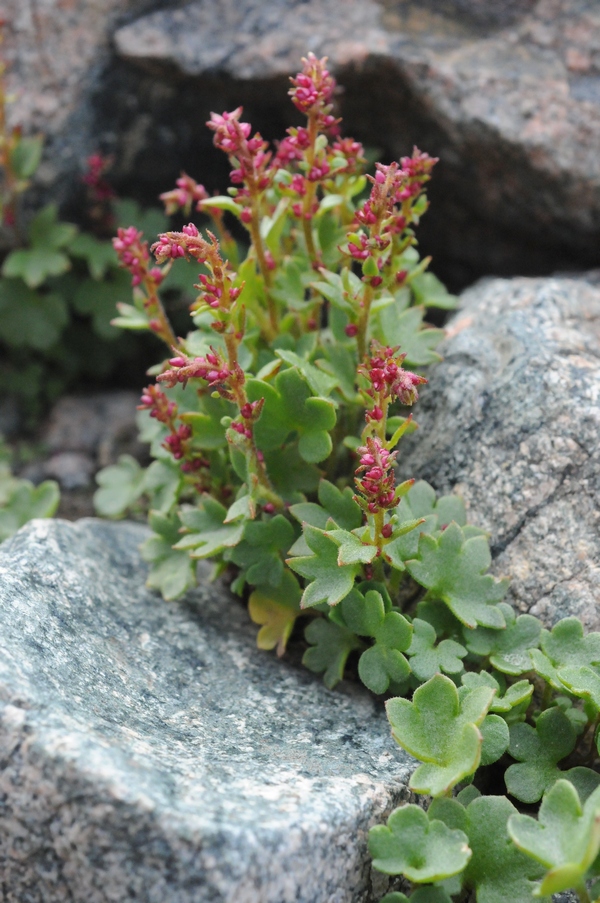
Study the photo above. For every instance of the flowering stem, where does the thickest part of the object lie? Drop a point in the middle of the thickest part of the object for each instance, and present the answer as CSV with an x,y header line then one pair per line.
x,y
363,322
155,304
264,269
257,465
309,197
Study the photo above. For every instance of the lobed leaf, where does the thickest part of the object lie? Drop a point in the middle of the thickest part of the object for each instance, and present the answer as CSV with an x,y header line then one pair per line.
x,y
440,727
565,839
421,849
452,569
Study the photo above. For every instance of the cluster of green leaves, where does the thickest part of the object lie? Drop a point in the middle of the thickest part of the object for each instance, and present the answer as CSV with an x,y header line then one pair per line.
x,y
20,500
528,704
401,590
58,290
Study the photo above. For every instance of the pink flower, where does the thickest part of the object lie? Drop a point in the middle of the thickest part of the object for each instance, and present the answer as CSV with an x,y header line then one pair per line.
x,y
313,88
375,477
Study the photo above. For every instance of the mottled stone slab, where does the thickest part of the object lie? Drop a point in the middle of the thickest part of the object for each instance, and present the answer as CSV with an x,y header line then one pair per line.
x,y
506,94
150,752
510,420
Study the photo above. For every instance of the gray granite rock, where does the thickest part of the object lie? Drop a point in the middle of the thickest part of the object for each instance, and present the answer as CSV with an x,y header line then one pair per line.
x,y
506,94
56,52
510,420
150,752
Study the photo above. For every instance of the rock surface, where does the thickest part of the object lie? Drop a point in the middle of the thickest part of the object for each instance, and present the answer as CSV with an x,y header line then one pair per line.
x,y
151,753
506,94
510,420
55,52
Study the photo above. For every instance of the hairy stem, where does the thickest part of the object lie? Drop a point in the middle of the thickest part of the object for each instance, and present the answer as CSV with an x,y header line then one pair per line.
x,y
264,269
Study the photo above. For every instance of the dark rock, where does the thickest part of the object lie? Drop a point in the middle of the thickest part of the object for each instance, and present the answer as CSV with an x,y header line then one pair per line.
x,y
510,420
151,752
505,94
73,470
102,425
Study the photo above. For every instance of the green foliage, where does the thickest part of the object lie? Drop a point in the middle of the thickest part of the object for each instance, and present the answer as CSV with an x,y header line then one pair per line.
x,y
452,568
21,501
565,839
292,374
421,849
172,572
497,871
427,658
331,645
440,727
537,751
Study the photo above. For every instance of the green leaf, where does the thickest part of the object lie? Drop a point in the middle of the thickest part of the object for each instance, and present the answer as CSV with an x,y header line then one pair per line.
x,y
537,751
440,727
429,893
28,318
320,382
340,505
100,256
223,202
452,569
381,664
276,609
131,318
340,363
582,682
150,220
45,232
331,645
258,553
365,614
565,839
26,156
427,659
407,330
329,582
121,485
429,291
36,265
514,695
421,849
351,548
290,407
497,871
508,649
206,534
566,646
172,572
24,502
494,731
100,299
163,482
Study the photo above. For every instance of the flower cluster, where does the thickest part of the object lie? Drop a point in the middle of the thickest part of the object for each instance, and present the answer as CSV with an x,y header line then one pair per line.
x,y
133,255
313,91
218,291
249,155
375,476
97,165
387,378
213,368
389,209
187,193
159,406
